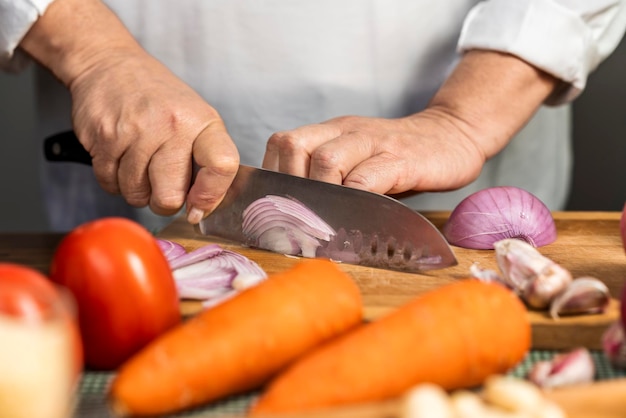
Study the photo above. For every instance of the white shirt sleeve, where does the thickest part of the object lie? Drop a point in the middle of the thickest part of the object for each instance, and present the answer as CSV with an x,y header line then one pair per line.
x,y
16,18
565,38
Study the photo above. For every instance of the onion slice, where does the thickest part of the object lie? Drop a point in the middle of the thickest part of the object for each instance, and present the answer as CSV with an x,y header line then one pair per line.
x,y
284,225
171,249
497,213
210,273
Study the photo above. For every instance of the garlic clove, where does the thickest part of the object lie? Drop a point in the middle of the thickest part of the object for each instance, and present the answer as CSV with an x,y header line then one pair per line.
x,y
541,290
614,345
574,367
486,275
467,404
518,261
512,394
427,400
583,295
536,278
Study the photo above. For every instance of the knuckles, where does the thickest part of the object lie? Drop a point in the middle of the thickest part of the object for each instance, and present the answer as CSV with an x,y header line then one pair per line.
x,y
285,143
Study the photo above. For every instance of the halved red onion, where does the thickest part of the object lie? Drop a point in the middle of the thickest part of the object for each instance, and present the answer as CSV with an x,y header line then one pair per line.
x,y
210,272
497,213
284,225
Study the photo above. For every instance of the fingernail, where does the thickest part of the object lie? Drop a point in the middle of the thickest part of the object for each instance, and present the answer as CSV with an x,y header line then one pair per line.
x,y
195,215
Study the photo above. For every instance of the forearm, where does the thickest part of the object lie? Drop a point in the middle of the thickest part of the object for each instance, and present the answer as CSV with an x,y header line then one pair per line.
x,y
73,35
490,96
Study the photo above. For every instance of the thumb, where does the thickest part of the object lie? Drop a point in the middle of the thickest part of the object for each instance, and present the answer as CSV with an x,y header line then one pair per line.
x,y
216,163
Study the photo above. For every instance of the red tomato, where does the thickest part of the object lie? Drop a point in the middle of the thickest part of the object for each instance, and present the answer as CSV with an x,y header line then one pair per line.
x,y
123,285
27,294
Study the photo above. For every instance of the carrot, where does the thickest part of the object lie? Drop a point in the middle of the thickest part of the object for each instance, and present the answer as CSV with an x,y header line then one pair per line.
x,y
454,336
238,345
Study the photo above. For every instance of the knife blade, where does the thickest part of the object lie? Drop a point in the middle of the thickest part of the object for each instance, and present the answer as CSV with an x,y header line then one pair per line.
x,y
372,229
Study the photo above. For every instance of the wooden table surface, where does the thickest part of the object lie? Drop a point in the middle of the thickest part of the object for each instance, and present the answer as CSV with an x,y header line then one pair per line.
x,y
588,244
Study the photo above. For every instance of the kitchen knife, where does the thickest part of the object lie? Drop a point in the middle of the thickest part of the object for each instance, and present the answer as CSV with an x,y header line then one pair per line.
x,y
371,229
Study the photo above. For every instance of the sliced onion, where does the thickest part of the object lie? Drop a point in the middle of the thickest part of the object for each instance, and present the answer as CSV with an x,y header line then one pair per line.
x,y
195,256
210,273
171,249
284,225
497,213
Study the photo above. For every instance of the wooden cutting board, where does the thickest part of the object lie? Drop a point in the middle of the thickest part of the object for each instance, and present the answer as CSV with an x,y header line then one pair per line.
x,y
588,244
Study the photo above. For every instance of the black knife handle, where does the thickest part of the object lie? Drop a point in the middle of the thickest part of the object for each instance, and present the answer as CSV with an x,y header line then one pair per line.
x,y
65,146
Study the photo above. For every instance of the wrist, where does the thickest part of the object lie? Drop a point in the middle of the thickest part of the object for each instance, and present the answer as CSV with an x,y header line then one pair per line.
x,y
75,35
490,96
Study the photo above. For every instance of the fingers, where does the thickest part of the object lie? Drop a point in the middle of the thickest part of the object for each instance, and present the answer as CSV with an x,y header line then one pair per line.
x,y
290,151
321,152
380,174
217,162
167,180
161,178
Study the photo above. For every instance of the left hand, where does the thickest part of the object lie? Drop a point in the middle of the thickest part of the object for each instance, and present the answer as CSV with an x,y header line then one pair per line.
x,y
426,151
469,120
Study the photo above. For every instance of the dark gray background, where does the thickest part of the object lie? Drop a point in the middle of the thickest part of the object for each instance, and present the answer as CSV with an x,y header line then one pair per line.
x,y
599,140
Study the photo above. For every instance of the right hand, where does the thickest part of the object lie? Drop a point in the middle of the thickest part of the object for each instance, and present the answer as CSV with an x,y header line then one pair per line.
x,y
144,129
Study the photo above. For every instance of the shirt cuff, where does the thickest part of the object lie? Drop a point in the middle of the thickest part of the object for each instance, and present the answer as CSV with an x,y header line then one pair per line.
x,y
16,18
567,42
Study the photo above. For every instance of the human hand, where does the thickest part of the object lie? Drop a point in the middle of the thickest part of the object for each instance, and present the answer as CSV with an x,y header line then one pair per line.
x,y
485,101
427,151
142,126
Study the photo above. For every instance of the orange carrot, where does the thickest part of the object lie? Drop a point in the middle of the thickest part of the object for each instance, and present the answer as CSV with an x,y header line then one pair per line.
x,y
238,345
454,336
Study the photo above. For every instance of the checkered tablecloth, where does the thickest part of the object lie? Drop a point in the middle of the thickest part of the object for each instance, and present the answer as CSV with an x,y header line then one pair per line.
x,y
92,392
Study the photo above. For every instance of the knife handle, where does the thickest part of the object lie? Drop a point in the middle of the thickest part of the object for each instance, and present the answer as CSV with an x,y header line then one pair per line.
x,y
65,146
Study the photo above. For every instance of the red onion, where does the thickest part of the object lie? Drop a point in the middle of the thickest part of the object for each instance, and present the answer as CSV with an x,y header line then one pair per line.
x,y
497,213
210,273
614,345
284,225
622,226
623,307
171,249
614,338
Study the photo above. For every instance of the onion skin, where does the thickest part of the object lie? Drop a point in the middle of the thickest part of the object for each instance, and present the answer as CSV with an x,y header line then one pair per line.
x,y
622,227
497,213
